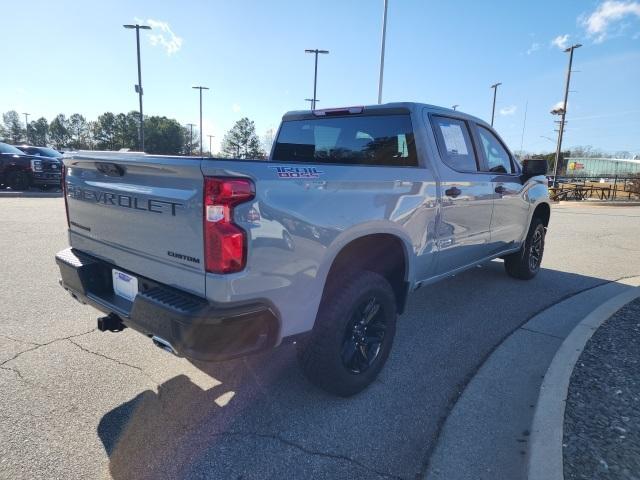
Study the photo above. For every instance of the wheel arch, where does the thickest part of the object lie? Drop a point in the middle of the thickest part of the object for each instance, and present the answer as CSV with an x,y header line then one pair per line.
x,y
385,253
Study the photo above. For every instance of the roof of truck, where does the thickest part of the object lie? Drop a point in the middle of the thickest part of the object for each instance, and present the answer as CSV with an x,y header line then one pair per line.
x,y
394,107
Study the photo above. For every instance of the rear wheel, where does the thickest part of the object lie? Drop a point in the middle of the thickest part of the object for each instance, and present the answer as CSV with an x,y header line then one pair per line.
x,y
353,334
18,181
525,264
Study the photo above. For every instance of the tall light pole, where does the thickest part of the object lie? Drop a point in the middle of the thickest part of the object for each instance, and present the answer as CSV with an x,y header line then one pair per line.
x,y
201,88
455,106
26,123
315,74
191,125
563,112
384,36
495,91
139,85
210,152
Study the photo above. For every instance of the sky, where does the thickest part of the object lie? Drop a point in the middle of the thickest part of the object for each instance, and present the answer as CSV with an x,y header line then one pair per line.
x,y
75,57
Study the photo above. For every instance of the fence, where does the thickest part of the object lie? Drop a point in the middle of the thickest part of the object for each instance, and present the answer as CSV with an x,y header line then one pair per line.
x,y
612,187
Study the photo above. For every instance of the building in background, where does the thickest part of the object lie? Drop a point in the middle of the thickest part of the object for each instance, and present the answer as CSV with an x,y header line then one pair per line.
x,y
601,167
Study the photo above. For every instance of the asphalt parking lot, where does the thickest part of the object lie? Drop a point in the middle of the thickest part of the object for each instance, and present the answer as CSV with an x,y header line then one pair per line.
x,y
77,403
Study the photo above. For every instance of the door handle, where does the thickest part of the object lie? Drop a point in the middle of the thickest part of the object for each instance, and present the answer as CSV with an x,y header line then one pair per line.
x,y
452,192
500,189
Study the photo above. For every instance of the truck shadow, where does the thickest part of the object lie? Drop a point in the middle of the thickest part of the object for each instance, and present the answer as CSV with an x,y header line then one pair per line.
x,y
264,420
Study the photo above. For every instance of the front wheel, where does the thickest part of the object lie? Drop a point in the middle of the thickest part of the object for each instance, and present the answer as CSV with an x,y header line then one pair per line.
x,y
525,264
353,334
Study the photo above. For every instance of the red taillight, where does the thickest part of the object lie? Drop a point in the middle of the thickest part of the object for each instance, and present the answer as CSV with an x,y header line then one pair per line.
x,y
225,244
63,185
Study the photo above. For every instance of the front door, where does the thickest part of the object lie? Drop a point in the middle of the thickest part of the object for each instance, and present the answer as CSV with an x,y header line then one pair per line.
x,y
510,208
463,231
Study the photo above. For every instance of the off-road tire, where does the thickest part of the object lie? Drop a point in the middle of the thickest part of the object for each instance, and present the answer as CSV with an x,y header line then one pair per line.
x,y
521,264
321,354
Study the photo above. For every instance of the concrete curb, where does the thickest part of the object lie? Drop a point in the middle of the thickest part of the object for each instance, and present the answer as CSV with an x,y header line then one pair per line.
x,y
545,461
10,194
599,203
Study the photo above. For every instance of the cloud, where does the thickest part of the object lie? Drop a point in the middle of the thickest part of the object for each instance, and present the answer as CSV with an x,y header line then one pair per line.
x,y
163,35
561,41
235,107
609,12
510,110
534,46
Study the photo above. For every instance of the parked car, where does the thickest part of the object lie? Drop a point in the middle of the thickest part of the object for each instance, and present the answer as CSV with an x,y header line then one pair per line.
x,y
40,151
20,171
395,197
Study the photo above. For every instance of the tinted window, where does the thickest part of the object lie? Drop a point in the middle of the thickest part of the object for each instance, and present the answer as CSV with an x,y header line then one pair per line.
x,y
359,140
454,143
498,159
49,152
4,148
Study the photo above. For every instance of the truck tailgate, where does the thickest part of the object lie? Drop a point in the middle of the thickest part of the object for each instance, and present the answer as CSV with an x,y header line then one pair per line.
x,y
139,212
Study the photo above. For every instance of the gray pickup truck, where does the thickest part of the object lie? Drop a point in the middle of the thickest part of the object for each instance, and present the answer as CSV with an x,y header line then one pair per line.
x,y
319,244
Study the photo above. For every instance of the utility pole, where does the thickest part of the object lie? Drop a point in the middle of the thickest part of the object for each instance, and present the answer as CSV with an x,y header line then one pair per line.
x,y
312,102
210,152
191,125
455,106
563,112
201,88
139,85
315,73
384,36
495,91
26,124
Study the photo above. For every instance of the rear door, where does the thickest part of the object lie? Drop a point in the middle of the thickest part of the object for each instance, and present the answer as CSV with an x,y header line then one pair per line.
x,y
142,213
467,196
510,208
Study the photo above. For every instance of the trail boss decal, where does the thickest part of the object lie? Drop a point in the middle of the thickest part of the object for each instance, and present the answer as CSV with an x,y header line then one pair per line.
x,y
297,172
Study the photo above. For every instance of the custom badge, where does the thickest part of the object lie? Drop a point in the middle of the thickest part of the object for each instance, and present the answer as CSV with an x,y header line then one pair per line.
x,y
297,172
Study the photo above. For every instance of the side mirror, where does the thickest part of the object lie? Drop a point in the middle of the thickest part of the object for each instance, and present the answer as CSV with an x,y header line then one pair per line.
x,y
533,167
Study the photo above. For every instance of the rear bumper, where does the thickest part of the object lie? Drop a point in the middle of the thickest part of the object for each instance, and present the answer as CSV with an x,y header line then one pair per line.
x,y
195,327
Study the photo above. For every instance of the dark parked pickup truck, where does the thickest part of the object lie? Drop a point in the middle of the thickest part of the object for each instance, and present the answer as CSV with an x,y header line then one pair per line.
x,y
19,171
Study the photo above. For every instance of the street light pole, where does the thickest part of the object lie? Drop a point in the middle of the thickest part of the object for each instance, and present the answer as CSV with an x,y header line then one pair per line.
x,y
312,102
210,152
564,112
26,124
384,36
139,85
201,88
315,74
191,125
495,91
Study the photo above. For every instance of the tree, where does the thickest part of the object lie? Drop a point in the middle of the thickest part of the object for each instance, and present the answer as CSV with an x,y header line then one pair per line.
x,y
59,132
79,131
39,132
105,132
163,136
126,130
267,140
241,141
13,130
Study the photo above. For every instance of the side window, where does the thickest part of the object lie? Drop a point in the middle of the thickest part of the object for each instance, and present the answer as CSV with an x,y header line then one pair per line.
x,y
498,158
454,143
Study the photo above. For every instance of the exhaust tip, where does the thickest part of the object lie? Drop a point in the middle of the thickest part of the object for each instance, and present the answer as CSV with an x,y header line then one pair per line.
x,y
163,344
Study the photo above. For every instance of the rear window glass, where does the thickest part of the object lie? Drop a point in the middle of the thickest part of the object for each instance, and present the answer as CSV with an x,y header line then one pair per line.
x,y
454,142
358,140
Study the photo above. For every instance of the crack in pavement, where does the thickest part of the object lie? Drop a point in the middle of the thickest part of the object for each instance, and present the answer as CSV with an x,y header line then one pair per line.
x,y
40,345
309,451
97,354
17,340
